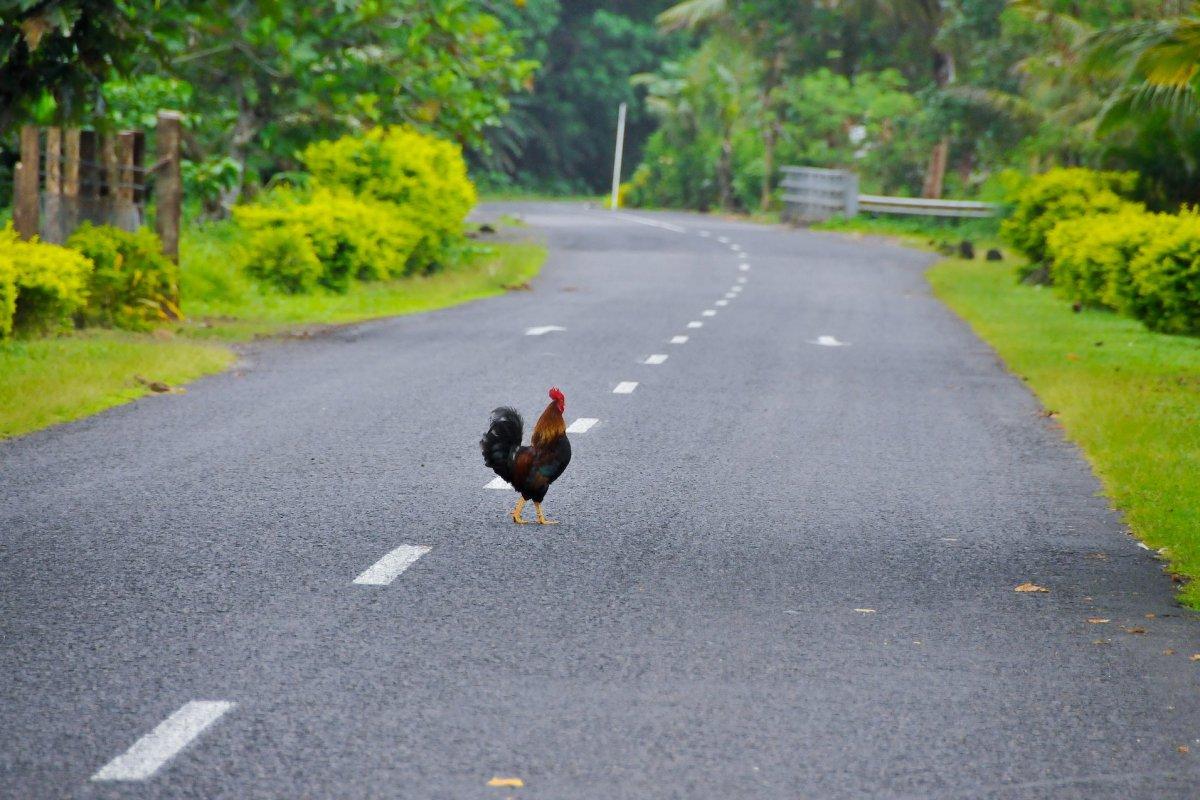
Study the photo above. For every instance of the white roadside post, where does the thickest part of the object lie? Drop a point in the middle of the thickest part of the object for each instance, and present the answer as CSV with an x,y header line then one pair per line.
x,y
620,149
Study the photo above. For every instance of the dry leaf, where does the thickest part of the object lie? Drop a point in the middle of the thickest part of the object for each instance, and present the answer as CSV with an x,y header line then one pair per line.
x,y
1098,620
511,783
1098,556
1100,641
1168,652
1030,587
1150,616
1183,748
1136,630
1194,657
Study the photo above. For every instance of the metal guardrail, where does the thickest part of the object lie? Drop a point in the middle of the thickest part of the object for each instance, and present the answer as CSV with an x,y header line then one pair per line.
x,y
811,194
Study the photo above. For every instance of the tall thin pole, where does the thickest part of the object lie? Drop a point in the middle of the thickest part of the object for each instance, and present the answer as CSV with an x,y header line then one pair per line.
x,y
617,161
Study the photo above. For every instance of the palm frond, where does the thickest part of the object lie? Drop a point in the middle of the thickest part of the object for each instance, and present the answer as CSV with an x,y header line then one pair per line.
x,y
691,14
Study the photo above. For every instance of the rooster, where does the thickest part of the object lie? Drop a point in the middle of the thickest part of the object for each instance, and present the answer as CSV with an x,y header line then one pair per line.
x,y
530,469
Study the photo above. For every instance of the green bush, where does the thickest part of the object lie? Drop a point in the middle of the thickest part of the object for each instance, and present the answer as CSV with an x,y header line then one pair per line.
x,y
1166,277
283,256
132,284
1057,195
8,292
425,177
351,238
1090,256
50,283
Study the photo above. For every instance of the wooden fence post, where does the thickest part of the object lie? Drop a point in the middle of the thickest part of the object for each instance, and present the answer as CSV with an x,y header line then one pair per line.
x,y
169,185
26,203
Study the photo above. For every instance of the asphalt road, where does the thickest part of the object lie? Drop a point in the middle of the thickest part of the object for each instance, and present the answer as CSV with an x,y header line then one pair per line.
x,y
785,569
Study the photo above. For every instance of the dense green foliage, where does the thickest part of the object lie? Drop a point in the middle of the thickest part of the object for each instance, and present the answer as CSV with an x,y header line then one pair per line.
x,y
425,178
378,206
132,284
48,284
1058,195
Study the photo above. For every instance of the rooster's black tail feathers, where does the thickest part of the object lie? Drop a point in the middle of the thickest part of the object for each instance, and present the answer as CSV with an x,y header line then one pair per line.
x,y
502,440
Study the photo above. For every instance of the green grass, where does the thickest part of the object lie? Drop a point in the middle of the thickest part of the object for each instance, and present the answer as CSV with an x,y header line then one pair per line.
x,y
53,380
222,302
47,381
1130,398
923,232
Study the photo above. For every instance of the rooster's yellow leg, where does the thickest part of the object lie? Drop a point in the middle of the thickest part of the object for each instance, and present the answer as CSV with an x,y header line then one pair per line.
x,y
542,517
516,514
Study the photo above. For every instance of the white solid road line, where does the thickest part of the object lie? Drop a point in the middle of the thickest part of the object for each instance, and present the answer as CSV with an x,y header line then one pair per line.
x,y
652,222
388,568
582,425
695,324
497,483
625,387
657,358
708,312
678,340
542,329
149,753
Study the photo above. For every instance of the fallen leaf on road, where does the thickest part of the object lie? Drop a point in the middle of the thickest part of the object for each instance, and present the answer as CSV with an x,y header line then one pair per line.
x,y
1030,587
1150,616
1183,748
1100,641
1098,556
1194,657
512,783
1098,620
1134,629
1168,652
865,610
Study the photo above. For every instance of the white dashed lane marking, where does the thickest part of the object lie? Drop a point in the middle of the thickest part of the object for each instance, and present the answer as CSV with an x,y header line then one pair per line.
x,y
705,234
497,483
388,568
653,223
730,295
721,303
657,358
744,267
542,329
695,324
742,279
829,341
708,312
582,425
149,753
625,387
678,340
723,239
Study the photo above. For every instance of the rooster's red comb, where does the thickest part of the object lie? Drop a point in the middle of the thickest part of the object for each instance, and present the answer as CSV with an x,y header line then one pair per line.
x,y
556,395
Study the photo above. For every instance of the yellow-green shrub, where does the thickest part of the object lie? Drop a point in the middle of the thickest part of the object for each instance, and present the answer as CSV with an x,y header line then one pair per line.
x,y
51,282
352,238
283,256
1057,195
425,177
132,283
1090,256
8,292
1165,277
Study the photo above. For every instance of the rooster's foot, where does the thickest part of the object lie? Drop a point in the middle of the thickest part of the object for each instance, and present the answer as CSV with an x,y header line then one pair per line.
x,y
516,514
541,518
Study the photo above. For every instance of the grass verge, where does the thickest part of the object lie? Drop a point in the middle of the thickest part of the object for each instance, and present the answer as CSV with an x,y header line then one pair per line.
x,y
53,380
1130,398
223,303
47,381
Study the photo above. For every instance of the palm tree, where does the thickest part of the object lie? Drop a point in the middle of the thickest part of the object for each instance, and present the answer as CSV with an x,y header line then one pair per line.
x,y
1156,61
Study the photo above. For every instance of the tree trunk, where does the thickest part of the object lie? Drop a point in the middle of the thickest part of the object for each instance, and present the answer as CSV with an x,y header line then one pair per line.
x,y
768,178
725,173
935,172
244,132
